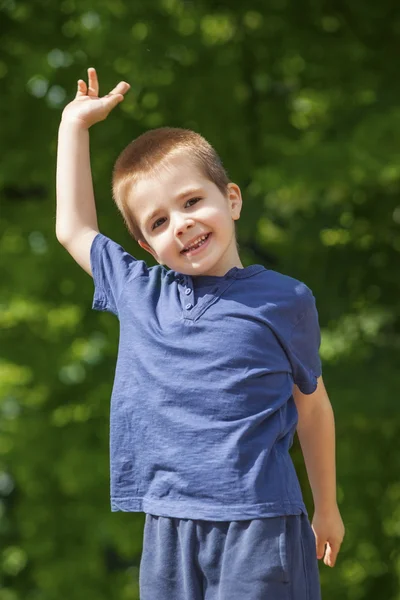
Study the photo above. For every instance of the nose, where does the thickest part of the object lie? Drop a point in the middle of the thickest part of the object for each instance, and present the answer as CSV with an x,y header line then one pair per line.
x,y
182,224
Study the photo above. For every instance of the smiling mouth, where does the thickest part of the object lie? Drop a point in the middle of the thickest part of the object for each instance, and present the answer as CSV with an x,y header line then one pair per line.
x,y
201,241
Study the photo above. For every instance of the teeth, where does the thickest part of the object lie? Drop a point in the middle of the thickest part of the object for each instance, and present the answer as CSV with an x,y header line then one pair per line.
x,y
195,243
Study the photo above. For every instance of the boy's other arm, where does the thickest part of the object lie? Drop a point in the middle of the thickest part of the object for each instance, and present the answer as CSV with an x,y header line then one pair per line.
x,y
316,431
76,217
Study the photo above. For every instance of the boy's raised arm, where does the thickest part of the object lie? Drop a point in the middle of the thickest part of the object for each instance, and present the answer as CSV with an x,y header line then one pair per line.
x,y
76,218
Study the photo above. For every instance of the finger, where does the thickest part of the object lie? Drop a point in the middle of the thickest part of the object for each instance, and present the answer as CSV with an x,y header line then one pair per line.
x,y
331,555
121,88
82,88
93,82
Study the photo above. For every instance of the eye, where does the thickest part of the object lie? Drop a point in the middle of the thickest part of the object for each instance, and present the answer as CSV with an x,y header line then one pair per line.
x,y
192,202
157,223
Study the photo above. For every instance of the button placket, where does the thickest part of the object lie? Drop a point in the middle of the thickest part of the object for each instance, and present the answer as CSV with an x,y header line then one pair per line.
x,y
186,293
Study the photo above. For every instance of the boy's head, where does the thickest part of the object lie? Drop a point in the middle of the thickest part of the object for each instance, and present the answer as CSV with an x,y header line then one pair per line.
x,y
177,201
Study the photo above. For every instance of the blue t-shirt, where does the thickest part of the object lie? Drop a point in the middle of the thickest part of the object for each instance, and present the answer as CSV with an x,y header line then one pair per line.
x,y
202,413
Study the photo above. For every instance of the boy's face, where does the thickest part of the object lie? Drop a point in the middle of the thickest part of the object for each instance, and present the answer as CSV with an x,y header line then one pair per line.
x,y
186,222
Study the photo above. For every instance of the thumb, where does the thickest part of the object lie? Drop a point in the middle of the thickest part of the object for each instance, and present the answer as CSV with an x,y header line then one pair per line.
x,y
320,544
111,100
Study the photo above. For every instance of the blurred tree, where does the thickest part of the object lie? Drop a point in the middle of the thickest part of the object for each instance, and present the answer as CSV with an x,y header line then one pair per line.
x,y
300,99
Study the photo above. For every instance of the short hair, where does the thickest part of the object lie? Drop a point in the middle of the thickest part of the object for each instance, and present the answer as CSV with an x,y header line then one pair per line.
x,y
150,150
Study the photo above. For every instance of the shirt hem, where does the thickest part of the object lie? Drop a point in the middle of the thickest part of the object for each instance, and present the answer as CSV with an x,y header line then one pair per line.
x,y
182,510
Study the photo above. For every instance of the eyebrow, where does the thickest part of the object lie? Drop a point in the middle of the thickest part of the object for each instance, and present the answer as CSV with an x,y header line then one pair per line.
x,y
180,196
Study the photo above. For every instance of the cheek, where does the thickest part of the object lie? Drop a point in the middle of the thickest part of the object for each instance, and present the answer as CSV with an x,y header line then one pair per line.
x,y
164,243
211,215
219,219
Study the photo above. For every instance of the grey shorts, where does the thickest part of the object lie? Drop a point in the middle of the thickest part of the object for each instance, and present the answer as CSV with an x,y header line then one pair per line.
x,y
259,559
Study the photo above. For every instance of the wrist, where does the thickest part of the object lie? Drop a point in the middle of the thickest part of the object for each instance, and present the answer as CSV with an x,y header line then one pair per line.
x,y
73,123
326,507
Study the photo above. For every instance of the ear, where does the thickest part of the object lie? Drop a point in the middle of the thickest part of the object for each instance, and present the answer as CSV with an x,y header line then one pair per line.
x,y
148,248
235,200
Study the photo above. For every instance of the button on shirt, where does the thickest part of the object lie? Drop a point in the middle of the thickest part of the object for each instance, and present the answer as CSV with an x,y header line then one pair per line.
x,y
202,413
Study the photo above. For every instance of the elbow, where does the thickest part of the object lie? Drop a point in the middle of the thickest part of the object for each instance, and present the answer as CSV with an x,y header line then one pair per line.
x,y
61,238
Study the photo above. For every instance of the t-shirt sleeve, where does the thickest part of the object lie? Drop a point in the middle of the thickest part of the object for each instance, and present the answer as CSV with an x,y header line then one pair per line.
x,y
304,345
111,268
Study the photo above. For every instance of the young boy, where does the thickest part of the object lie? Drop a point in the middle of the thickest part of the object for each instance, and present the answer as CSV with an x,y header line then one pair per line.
x,y
217,366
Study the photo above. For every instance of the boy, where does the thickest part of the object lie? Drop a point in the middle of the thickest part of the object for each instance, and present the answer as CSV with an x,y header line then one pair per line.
x,y
217,365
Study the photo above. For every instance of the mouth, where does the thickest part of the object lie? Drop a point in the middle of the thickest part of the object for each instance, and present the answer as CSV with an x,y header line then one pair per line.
x,y
197,245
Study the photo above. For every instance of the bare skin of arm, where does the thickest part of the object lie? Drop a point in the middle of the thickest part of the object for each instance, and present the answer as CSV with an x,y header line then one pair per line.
x,y
316,431
76,217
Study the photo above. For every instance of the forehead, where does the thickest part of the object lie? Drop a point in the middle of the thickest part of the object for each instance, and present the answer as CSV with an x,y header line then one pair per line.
x,y
165,183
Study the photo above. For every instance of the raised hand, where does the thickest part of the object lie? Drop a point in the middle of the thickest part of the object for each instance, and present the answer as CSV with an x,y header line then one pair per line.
x,y
88,108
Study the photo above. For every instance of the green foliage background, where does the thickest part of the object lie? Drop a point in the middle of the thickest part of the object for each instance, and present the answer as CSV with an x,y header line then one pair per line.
x,y
301,99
